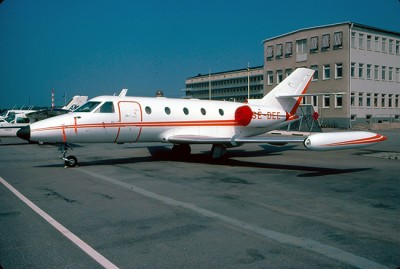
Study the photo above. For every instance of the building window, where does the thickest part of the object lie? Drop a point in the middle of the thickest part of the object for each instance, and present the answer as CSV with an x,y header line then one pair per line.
x,y
361,41
270,53
325,42
337,40
279,51
368,99
390,101
301,50
270,77
288,72
315,76
326,72
390,73
279,76
384,45
369,42
391,46
397,75
376,72
314,44
360,99
383,100
397,47
368,71
326,100
361,70
339,101
353,40
314,101
383,77
288,49
352,70
339,70
397,100
376,100
352,98
376,43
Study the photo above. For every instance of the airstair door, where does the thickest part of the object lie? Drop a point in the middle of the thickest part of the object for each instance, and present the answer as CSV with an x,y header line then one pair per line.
x,y
130,116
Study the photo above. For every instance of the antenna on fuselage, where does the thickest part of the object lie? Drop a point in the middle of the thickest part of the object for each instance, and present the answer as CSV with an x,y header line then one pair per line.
x,y
123,92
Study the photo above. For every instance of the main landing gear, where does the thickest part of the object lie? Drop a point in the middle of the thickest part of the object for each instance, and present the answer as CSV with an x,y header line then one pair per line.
x,y
69,161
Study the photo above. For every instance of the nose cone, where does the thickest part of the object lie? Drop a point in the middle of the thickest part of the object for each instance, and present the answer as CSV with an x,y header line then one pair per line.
x,y
24,133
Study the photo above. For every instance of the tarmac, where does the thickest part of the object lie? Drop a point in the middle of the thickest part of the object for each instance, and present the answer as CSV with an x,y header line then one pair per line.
x,y
138,206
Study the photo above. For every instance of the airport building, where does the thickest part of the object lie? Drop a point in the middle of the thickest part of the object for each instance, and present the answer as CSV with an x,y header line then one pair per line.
x,y
235,85
358,65
360,61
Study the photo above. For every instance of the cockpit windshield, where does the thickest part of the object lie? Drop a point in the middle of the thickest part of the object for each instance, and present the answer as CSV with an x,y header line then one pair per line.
x,y
88,107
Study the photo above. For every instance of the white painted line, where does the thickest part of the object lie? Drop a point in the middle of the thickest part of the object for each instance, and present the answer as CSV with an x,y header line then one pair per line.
x,y
305,243
76,240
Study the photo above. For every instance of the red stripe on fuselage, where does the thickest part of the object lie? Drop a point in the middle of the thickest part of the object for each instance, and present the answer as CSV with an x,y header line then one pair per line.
x,y
143,124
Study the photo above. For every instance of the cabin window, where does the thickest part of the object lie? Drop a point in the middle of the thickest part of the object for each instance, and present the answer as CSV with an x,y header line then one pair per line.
x,y
203,111
167,110
107,107
186,111
148,110
221,112
22,120
88,107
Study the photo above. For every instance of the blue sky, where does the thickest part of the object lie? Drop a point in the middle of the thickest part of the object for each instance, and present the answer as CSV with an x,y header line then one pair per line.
x,y
97,47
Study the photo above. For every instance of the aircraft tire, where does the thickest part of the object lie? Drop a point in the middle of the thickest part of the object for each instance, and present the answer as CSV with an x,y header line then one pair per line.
x,y
71,161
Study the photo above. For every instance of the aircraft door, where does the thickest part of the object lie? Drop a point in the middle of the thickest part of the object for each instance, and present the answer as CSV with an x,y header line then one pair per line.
x,y
130,114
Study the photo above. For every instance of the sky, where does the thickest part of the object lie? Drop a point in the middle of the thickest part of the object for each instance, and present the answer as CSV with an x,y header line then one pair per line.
x,y
98,47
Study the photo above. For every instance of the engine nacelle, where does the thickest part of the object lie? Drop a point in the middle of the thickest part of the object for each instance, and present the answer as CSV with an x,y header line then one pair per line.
x,y
342,140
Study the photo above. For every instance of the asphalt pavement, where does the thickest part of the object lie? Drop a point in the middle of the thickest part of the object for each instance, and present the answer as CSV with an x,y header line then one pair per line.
x,y
138,206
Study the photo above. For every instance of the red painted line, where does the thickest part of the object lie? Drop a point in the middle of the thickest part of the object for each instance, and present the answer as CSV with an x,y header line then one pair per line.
x,y
373,139
296,105
143,124
64,135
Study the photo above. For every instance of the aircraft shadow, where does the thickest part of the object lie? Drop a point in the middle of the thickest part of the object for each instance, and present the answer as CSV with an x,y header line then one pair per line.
x,y
163,153
166,155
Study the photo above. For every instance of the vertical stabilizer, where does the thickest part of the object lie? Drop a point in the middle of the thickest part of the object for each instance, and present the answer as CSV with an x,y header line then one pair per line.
x,y
76,102
295,84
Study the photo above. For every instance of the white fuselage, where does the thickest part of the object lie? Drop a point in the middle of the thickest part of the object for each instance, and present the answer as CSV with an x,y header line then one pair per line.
x,y
9,129
142,119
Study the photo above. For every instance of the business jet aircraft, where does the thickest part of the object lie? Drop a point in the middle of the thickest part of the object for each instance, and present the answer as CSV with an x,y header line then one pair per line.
x,y
121,119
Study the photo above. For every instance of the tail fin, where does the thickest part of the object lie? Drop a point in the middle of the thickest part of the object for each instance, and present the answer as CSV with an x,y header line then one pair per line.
x,y
76,102
288,94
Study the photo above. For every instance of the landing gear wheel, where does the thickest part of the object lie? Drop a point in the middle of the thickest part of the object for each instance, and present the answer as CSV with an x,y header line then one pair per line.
x,y
71,161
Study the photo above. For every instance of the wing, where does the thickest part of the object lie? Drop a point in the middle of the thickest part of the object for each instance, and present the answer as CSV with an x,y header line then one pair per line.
x,y
234,141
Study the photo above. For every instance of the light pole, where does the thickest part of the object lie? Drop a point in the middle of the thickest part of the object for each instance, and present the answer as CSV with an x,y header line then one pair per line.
x,y
209,84
248,81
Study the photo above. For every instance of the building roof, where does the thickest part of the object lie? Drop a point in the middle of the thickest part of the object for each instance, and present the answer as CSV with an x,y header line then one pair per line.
x,y
226,72
354,24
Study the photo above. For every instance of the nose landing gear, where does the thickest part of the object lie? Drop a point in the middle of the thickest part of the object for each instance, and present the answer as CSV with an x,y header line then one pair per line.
x,y
69,161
